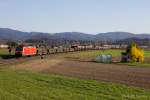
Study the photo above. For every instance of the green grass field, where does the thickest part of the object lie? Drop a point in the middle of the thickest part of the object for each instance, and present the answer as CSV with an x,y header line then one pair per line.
x,y
147,53
5,52
23,85
92,54
26,85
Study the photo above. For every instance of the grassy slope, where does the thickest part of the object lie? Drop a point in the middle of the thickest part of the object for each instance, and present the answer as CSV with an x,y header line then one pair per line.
x,y
22,85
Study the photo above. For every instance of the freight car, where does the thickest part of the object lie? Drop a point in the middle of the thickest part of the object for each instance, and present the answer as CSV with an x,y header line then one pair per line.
x,y
22,50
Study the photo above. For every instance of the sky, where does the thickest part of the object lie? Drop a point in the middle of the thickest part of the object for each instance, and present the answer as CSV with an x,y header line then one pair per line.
x,y
88,16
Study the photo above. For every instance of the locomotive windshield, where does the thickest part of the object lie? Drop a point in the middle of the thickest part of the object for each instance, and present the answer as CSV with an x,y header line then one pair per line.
x,y
19,49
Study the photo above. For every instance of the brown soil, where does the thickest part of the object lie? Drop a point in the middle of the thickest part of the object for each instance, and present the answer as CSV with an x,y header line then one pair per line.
x,y
123,74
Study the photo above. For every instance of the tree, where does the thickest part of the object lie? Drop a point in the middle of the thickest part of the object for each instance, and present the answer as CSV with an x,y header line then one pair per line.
x,y
12,44
135,53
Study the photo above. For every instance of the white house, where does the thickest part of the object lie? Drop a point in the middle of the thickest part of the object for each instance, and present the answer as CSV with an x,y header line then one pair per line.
x,y
3,46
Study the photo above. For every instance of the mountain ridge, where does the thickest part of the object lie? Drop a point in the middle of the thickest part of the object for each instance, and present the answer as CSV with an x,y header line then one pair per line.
x,y
10,34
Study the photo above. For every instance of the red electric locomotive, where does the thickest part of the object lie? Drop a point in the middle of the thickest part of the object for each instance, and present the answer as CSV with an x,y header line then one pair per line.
x,y
25,50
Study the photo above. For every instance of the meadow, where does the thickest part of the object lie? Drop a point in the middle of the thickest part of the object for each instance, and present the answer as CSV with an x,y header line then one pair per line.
x,y
147,53
25,85
116,54
5,54
17,84
82,55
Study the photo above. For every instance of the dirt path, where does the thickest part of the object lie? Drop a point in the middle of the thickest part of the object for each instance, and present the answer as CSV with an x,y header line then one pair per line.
x,y
123,74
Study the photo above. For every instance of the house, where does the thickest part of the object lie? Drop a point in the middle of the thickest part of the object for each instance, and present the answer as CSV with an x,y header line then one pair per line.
x,y
3,46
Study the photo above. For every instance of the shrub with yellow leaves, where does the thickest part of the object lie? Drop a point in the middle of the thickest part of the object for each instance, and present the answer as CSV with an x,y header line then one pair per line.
x,y
136,54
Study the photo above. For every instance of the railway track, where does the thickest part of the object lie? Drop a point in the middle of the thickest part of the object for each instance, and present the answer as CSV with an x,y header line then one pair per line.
x,y
16,60
10,61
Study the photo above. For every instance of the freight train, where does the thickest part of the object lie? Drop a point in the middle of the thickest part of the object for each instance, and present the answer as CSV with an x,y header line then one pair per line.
x,y
24,50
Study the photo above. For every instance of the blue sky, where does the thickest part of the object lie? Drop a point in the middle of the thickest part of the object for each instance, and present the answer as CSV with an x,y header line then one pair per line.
x,y
89,16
